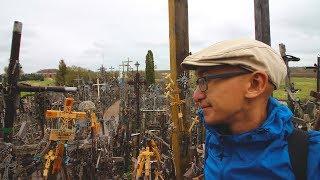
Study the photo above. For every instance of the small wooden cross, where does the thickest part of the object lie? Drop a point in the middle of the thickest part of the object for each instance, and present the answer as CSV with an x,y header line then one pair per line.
x,y
95,124
49,157
64,132
144,161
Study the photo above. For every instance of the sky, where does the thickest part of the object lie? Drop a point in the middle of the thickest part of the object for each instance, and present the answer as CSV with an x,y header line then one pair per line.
x,y
91,33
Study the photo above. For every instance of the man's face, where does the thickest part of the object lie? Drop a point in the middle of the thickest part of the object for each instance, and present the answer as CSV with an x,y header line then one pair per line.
x,y
224,98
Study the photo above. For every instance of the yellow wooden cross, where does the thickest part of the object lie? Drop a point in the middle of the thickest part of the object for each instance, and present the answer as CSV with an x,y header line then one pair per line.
x,y
194,122
58,158
64,133
144,161
95,125
49,157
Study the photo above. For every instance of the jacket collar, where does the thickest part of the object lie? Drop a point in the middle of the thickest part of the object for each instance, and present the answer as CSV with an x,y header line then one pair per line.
x,y
277,124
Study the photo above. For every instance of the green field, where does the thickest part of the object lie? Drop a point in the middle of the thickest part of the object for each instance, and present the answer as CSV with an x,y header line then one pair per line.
x,y
304,84
46,82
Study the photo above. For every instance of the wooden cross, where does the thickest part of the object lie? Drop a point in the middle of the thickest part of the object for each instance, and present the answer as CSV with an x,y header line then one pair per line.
x,y
137,83
316,68
287,59
98,87
49,157
11,88
64,132
144,159
125,64
194,122
111,68
95,124
78,80
179,49
122,65
58,157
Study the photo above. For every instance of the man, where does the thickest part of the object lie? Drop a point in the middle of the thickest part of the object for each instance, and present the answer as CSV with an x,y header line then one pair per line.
x,y
246,129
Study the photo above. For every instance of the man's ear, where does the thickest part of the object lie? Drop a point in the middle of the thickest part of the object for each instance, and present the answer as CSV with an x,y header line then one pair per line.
x,y
257,84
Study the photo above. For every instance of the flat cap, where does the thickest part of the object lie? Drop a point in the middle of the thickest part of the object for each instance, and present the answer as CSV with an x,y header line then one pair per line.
x,y
248,53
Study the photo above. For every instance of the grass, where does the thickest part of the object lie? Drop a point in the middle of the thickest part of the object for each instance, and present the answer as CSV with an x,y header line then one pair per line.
x,y
46,82
304,84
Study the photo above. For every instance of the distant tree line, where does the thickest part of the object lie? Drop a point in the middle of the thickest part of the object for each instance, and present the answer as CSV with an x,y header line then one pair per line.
x,y
31,77
66,76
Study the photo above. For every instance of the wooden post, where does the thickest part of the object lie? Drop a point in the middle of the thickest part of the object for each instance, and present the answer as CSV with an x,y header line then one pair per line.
x,y
179,49
282,49
262,21
11,93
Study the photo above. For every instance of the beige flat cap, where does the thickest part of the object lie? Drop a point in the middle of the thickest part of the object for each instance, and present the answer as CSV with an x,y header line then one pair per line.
x,y
249,53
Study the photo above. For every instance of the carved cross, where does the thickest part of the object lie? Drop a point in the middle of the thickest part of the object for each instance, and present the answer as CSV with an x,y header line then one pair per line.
x,y
67,115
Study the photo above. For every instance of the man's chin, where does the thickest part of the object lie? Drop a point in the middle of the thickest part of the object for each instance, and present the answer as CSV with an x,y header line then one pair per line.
x,y
213,120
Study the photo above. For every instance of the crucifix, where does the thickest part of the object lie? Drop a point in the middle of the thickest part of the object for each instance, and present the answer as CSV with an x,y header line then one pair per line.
x,y
143,161
125,64
137,83
78,80
287,59
111,71
122,65
64,133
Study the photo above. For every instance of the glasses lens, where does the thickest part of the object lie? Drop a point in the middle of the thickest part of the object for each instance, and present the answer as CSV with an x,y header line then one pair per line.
x,y
202,84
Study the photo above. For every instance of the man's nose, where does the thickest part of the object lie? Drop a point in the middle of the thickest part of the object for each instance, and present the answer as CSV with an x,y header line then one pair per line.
x,y
198,95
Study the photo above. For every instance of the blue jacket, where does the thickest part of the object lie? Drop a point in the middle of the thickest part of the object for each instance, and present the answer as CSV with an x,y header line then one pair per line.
x,y
261,153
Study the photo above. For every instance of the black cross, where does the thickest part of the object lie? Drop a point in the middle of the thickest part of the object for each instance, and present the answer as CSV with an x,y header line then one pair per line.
x,y
137,83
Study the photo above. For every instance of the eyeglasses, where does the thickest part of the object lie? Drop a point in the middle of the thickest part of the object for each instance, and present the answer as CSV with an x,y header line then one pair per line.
x,y
202,82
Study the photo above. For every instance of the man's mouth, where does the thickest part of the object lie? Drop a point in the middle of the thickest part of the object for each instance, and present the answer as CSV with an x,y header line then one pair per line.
x,y
205,106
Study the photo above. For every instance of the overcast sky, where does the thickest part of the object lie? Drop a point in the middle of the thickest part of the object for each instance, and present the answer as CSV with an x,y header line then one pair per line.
x,y
89,33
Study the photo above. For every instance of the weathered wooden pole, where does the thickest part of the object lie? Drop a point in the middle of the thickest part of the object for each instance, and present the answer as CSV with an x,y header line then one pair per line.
x,y
11,92
262,21
179,49
282,49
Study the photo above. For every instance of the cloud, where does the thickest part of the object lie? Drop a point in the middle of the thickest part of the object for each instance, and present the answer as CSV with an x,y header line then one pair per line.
x,y
90,33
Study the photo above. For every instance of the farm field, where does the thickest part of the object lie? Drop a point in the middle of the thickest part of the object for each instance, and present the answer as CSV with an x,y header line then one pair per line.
x,y
304,84
46,82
